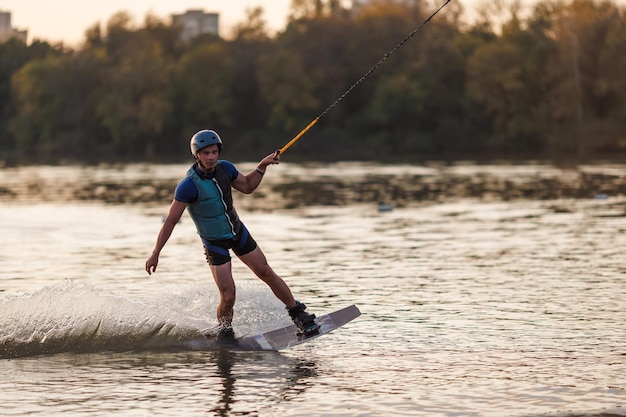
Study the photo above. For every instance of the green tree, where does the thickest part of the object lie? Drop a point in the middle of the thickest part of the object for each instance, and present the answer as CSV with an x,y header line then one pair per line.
x,y
590,35
548,83
14,54
507,78
288,90
134,104
55,116
249,109
312,9
204,84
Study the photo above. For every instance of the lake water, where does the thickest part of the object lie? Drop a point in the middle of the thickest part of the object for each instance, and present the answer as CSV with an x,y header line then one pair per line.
x,y
496,290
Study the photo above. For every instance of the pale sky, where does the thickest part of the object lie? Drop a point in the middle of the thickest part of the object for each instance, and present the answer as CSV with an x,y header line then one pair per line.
x,y
67,20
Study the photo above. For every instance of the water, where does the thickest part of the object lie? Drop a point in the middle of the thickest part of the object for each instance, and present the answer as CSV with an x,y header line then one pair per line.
x,y
485,291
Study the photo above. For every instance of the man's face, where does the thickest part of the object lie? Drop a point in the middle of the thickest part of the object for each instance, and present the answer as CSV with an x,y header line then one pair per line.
x,y
208,156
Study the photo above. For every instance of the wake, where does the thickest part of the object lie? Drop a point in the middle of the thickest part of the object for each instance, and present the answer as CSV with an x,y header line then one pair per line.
x,y
71,317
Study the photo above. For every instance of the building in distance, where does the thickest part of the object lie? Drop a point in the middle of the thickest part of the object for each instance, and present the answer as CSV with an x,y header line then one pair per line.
x,y
195,23
7,31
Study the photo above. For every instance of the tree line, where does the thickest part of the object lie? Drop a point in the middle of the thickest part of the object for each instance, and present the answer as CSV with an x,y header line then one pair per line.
x,y
545,83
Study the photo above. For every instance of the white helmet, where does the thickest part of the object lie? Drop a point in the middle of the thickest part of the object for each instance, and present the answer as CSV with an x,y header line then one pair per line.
x,y
204,138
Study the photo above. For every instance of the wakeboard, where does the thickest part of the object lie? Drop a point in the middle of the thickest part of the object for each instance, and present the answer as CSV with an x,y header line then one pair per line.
x,y
287,337
278,339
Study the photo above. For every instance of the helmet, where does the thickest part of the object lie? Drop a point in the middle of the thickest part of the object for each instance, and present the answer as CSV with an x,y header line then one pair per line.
x,y
204,138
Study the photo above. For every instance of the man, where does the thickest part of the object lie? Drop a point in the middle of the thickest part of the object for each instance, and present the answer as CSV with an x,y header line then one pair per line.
x,y
206,194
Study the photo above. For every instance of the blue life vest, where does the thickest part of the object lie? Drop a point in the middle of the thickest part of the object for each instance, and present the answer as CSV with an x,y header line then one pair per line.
x,y
213,211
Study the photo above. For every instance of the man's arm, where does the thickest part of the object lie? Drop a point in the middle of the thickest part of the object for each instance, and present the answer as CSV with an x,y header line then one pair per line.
x,y
176,211
248,183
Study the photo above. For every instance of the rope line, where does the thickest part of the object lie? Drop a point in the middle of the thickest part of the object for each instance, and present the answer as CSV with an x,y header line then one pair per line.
x,y
360,80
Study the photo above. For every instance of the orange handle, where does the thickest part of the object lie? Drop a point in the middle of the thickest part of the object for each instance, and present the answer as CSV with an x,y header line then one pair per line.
x,y
298,136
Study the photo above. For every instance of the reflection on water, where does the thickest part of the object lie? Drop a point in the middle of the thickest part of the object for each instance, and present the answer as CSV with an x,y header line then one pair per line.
x,y
292,186
474,302
217,383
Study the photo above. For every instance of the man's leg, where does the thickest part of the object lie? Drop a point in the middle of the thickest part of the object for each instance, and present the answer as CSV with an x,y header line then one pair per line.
x,y
257,262
222,274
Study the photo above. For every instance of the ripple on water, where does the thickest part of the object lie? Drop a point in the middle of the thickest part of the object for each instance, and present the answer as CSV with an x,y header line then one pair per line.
x,y
487,304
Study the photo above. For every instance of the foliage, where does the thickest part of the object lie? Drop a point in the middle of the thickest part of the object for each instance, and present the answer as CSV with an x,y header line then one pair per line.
x,y
548,83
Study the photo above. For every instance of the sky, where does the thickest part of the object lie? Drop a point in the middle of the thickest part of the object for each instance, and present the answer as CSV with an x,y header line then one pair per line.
x,y
66,20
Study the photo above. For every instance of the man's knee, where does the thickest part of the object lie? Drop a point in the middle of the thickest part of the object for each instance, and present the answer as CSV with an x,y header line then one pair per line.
x,y
227,296
265,272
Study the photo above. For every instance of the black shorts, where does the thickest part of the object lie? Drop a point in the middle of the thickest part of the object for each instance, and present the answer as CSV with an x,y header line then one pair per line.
x,y
217,252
